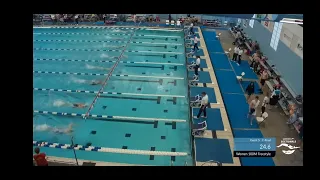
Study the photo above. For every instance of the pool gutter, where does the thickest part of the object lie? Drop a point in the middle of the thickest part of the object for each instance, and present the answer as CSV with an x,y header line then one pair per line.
x,y
190,108
58,161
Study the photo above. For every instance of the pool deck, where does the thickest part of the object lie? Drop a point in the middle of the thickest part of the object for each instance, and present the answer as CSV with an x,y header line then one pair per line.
x,y
227,133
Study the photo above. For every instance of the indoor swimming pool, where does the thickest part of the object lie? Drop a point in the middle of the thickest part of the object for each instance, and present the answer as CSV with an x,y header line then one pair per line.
x,y
141,115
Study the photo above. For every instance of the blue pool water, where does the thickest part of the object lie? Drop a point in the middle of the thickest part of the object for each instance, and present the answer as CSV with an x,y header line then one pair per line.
x,y
155,88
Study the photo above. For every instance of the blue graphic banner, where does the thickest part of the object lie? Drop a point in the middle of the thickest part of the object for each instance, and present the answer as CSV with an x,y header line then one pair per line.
x,y
255,144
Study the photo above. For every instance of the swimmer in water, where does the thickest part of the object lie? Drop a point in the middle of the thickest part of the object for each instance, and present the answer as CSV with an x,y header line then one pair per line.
x,y
45,127
95,82
67,130
79,105
119,47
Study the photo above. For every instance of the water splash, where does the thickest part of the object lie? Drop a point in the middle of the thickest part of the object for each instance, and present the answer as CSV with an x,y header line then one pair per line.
x,y
95,67
60,103
77,80
117,30
103,55
41,127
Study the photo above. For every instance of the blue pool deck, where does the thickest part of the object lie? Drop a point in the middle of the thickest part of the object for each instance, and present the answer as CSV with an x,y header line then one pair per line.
x,y
226,117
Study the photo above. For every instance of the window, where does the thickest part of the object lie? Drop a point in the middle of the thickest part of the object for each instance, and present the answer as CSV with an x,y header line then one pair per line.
x,y
252,21
276,35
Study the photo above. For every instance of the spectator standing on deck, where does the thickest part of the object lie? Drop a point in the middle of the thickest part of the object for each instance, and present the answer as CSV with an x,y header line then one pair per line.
x,y
255,46
235,53
300,141
104,18
195,41
76,18
252,108
250,90
40,158
170,18
134,18
275,96
191,31
263,77
204,104
197,66
240,52
265,102
238,36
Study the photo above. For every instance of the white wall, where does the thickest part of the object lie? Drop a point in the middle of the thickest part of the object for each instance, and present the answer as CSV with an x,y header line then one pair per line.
x,y
292,36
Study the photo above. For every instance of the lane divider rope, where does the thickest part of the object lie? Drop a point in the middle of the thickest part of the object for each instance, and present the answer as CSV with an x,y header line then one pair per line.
x,y
85,27
109,61
123,118
100,41
113,75
106,50
107,150
112,34
114,93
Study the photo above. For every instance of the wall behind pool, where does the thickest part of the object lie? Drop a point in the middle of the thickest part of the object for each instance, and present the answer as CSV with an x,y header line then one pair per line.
x,y
287,62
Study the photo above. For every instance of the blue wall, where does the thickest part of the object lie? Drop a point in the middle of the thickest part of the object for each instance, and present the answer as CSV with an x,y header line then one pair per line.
x,y
287,62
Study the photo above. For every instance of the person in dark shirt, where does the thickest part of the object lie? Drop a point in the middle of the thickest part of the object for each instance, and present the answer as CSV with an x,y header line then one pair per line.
x,y
250,90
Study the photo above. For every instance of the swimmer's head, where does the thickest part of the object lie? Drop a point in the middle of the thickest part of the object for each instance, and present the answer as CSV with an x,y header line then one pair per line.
x,y
37,150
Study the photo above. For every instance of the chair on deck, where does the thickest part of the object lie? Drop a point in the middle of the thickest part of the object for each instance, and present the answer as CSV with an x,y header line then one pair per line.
x,y
178,23
228,52
218,36
167,22
262,119
239,78
199,128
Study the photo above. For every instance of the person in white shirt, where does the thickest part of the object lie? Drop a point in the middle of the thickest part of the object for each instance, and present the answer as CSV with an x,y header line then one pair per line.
x,y
76,18
195,41
252,108
240,52
238,35
265,102
204,104
196,68
235,53
134,17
